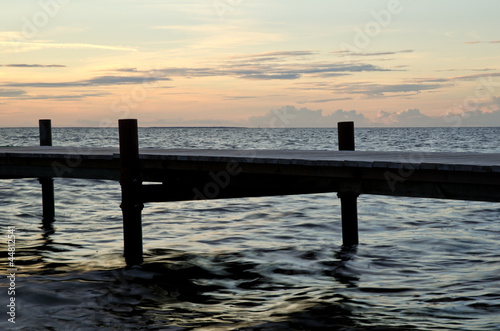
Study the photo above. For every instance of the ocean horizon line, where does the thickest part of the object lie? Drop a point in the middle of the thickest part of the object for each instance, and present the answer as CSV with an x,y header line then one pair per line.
x,y
254,127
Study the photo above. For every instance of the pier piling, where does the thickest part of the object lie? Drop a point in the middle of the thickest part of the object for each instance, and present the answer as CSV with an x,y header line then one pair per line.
x,y
346,136
131,185
45,129
348,199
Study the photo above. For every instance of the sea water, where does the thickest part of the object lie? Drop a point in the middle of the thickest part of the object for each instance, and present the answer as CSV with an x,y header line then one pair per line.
x,y
271,263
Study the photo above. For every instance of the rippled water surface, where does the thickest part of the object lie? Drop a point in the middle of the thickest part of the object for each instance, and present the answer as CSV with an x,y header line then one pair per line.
x,y
273,263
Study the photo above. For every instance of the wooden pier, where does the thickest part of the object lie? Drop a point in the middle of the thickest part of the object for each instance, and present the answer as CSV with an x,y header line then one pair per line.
x,y
161,175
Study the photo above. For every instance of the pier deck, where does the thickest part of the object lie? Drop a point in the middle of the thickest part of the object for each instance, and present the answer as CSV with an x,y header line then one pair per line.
x,y
185,174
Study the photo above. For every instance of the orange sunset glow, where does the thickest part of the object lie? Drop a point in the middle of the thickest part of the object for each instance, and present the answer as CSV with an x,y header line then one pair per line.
x,y
231,63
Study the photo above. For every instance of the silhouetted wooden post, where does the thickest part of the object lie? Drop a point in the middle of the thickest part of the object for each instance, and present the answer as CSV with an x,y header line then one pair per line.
x,y
348,200
346,136
131,184
45,129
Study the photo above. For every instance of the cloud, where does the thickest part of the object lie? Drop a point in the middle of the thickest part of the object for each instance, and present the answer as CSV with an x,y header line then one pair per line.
x,y
35,65
454,69
472,77
97,81
64,97
370,90
23,95
293,117
279,65
322,100
473,118
474,42
125,70
268,72
271,72
410,117
7,93
240,97
17,45
351,53
289,116
415,118
495,101
269,77
475,76
276,65
273,55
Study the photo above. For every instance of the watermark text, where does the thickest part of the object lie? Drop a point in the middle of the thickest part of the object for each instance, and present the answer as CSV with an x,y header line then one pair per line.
x,y
11,274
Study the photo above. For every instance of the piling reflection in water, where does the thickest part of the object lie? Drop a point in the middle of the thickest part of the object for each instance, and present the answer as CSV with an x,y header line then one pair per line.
x,y
186,290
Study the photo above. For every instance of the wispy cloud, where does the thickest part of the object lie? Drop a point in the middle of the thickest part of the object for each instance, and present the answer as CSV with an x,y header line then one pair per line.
x,y
239,97
65,97
474,42
371,90
351,53
475,76
9,93
124,70
455,69
34,65
97,81
266,71
280,65
273,55
31,46
457,78
322,100
190,28
258,76
387,90
14,94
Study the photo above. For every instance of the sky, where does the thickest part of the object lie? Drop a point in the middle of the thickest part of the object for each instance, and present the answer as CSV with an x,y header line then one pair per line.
x,y
257,63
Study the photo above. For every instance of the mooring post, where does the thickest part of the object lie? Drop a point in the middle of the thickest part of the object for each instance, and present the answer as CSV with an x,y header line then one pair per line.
x,y
348,199
45,129
131,184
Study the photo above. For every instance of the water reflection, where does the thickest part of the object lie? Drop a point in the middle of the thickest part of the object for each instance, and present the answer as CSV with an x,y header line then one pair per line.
x,y
48,228
223,291
228,293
